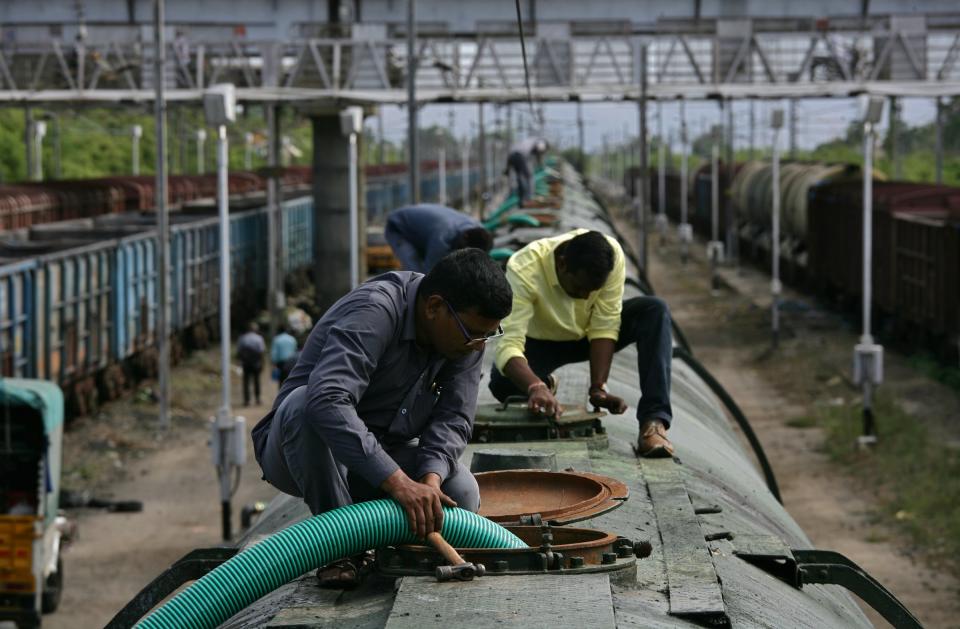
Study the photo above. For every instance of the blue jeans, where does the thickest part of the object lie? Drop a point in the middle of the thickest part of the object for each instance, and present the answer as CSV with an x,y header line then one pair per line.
x,y
645,321
297,461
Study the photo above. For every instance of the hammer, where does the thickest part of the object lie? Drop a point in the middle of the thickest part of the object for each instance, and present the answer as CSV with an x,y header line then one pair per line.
x,y
458,568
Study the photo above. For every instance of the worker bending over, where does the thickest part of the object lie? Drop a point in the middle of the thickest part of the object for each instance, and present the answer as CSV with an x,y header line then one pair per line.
x,y
422,234
568,307
517,163
382,399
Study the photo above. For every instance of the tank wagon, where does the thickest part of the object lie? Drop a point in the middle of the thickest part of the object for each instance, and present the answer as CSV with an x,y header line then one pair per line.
x,y
916,268
697,540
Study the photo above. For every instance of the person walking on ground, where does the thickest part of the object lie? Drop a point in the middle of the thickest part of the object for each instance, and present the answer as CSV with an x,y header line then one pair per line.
x,y
568,307
250,350
381,402
283,348
422,234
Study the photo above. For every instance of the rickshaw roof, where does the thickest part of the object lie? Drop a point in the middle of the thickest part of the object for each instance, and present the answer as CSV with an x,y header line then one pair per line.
x,y
41,395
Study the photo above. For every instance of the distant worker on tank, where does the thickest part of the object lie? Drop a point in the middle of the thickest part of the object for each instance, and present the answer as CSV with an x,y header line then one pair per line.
x,y
568,307
518,164
381,402
422,234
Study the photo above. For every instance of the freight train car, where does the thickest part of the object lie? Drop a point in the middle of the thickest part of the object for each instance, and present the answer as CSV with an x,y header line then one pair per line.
x,y
608,540
34,203
78,305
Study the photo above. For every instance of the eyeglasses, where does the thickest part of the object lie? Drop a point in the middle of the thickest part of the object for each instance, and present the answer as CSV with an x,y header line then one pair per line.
x,y
472,342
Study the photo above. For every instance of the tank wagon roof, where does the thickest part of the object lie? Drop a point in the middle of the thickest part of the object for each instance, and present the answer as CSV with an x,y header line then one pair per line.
x,y
701,511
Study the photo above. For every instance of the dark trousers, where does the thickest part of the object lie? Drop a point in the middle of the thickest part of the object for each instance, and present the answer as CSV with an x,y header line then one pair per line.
x,y
297,461
251,378
645,321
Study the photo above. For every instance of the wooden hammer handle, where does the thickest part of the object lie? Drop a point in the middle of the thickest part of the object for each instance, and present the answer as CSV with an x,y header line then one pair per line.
x,y
449,552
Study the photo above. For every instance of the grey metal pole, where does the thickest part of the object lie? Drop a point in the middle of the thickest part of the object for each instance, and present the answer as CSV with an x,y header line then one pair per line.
x,y
224,422
685,232
274,219
793,128
57,148
895,138
412,131
135,134
465,174
381,141
39,131
247,151
644,187
163,227
662,223
201,150
775,240
354,216
484,182
868,355
442,175
939,141
28,140
583,159
223,213
713,249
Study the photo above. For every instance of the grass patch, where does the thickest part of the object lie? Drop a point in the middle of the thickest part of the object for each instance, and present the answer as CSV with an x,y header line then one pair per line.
x,y
805,421
917,477
932,368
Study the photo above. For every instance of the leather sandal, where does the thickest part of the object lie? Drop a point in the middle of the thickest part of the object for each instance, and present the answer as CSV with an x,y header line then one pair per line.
x,y
653,442
346,574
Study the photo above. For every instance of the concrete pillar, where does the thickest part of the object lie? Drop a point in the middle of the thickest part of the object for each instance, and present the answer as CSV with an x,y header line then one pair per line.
x,y
331,211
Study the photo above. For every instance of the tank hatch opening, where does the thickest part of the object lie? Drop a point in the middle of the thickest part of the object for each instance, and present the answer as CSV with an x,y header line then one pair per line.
x,y
552,549
511,422
558,498
534,504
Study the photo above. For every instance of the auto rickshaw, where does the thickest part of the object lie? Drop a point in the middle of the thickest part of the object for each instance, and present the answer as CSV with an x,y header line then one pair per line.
x,y
31,440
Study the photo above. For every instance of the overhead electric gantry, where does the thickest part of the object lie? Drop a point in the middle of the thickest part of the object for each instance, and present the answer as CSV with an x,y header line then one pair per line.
x,y
575,52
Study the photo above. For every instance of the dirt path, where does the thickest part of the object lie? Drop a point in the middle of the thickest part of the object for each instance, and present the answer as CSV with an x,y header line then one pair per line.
x,y
118,553
729,333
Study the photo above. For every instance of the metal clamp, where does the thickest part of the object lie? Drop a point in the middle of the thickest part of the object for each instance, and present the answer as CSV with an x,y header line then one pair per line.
x,y
868,363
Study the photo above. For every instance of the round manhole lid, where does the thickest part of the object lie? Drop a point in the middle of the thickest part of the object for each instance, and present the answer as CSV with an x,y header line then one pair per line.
x,y
558,497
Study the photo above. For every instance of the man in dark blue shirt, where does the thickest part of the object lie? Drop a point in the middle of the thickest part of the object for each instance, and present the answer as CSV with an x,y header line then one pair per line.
x,y
382,399
422,234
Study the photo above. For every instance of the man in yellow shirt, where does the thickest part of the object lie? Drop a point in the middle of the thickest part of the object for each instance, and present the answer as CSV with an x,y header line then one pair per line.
x,y
568,307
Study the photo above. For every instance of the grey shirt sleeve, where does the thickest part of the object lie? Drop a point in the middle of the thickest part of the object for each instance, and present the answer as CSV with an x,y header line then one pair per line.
x,y
451,422
353,347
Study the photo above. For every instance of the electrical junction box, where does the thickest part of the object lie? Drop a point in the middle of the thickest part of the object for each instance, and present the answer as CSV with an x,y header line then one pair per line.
x,y
220,104
351,120
868,363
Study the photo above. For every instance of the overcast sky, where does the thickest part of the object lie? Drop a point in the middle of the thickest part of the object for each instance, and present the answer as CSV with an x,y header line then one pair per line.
x,y
818,120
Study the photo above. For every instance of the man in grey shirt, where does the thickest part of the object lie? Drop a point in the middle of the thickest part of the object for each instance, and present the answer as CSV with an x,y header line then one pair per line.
x,y
382,399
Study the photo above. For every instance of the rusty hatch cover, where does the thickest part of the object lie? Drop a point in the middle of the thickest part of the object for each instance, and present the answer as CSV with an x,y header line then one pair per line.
x,y
558,497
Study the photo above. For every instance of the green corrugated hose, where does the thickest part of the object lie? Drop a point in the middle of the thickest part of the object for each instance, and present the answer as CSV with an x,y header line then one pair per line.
x,y
307,545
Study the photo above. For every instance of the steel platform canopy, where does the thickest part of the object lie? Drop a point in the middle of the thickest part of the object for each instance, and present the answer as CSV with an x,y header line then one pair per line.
x,y
301,50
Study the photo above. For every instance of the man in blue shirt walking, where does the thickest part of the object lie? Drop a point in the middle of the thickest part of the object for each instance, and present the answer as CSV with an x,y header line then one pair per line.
x,y
420,235
282,349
